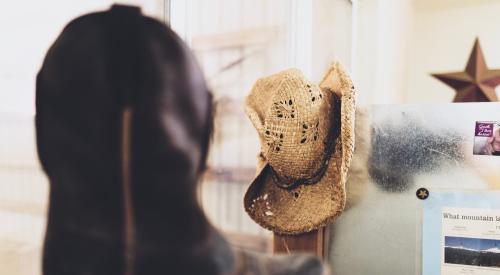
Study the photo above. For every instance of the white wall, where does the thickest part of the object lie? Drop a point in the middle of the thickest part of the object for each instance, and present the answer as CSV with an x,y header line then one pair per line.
x,y
331,35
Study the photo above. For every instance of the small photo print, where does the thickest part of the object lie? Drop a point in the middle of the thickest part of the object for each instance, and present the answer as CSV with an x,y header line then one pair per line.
x,y
472,252
487,138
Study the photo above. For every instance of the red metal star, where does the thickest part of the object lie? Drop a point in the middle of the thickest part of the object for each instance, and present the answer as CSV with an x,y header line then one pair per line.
x,y
477,83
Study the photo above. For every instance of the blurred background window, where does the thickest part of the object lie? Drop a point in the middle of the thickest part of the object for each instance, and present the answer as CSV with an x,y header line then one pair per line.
x,y
236,43
27,29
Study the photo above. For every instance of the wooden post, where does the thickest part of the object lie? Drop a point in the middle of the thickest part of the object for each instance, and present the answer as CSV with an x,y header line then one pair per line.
x,y
315,242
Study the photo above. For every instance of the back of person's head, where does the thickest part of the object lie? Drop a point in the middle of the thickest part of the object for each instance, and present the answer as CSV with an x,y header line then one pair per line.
x,y
123,124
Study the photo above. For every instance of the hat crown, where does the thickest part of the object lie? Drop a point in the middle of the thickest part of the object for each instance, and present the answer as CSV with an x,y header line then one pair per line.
x,y
293,119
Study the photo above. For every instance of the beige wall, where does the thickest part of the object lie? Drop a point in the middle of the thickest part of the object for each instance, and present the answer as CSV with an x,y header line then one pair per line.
x,y
443,37
400,42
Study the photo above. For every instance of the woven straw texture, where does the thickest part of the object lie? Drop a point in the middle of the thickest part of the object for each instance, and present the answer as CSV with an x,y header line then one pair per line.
x,y
293,118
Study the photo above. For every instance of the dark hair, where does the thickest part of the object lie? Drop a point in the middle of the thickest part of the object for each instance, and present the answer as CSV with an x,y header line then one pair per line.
x,y
105,65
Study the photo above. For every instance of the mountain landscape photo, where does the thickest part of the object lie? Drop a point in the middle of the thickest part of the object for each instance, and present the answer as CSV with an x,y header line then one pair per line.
x,y
472,251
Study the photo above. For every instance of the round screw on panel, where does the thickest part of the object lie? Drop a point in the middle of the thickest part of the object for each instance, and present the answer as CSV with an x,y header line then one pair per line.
x,y
422,193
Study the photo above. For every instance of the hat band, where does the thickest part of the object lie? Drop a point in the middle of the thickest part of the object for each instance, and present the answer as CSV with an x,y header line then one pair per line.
x,y
333,134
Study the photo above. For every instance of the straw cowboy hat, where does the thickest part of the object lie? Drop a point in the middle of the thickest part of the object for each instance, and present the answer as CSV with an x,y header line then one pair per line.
x,y
306,134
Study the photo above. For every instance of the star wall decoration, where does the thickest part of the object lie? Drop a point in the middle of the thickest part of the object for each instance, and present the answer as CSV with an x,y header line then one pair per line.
x,y
477,83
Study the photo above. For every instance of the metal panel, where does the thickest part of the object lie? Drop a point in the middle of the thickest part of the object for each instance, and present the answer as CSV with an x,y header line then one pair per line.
x,y
401,148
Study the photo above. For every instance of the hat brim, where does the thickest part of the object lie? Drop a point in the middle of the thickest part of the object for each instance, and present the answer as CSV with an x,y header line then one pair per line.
x,y
301,209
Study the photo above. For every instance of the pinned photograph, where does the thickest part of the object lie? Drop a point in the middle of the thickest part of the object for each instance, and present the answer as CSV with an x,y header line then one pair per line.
x,y
472,252
487,138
